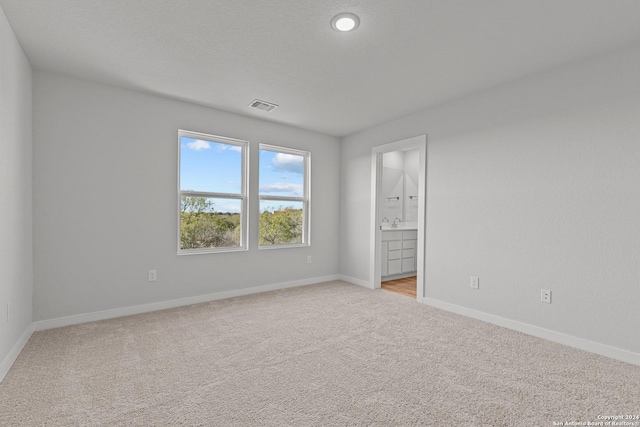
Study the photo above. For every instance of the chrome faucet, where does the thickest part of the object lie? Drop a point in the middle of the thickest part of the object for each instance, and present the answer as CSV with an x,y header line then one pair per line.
x,y
395,224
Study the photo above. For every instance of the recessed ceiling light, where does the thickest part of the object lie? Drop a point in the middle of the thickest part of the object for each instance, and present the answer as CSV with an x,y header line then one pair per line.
x,y
345,22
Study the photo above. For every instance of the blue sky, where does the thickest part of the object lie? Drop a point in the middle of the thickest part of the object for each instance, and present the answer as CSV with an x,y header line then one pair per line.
x,y
216,167
210,166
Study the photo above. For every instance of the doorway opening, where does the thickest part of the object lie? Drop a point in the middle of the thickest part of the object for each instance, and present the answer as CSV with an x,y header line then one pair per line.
x,y
398,213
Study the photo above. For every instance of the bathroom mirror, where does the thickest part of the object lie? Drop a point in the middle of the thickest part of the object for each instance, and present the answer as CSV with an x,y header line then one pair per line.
x,y
400,187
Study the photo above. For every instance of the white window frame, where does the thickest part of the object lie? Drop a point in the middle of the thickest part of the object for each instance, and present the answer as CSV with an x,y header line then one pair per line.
x,y
305,199
242,196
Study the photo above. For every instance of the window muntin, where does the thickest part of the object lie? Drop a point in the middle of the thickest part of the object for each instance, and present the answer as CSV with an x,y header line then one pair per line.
x,y
284,197
212,193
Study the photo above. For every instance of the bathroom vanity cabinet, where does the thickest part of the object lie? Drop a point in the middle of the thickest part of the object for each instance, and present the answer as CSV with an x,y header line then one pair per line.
x,y
398,251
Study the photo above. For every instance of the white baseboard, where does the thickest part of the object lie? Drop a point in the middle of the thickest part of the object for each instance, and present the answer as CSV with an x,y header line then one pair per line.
x,y
163,305
569,340
15,352
355,281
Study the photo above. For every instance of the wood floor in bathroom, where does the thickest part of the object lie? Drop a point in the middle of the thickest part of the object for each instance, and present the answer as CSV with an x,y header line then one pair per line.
x,y
405,286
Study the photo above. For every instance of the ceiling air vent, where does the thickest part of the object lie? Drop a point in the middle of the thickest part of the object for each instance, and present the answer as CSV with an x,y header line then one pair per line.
x,y
263,105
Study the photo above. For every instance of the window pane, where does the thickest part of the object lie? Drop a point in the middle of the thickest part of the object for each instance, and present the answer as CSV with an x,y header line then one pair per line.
x,y
209,166
281,174
207,222
281,222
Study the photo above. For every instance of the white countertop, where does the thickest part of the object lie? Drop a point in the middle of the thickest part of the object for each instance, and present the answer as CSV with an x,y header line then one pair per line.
x,y
401,226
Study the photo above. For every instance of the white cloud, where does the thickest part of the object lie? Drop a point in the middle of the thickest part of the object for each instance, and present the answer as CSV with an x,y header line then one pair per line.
x,y
198,145
288,163
282,187
230,147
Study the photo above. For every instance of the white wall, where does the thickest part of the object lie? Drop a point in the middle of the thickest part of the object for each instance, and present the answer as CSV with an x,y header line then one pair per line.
x,y
534,184
16,255
105,201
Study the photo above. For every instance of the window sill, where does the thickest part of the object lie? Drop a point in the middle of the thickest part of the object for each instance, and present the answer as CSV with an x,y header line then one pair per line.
x,y
296,245
209,251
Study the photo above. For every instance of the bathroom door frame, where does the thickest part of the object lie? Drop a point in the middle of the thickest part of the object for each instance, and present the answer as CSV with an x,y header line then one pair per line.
x,y
420,143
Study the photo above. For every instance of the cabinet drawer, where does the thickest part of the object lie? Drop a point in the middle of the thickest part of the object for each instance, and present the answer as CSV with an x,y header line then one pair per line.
x,y
408,244
408,253
391,235
395,254
411,234
408,264
394,246
395,267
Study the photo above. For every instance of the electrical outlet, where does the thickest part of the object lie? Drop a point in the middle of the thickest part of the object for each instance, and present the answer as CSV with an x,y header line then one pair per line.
x,y
545,296
475,282
309,259
152,276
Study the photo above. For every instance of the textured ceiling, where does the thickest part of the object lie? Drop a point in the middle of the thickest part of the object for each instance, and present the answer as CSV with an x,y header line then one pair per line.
x,y
406,55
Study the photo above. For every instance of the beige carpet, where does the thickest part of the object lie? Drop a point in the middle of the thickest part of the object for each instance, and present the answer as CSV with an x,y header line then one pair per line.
x,y
331,354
